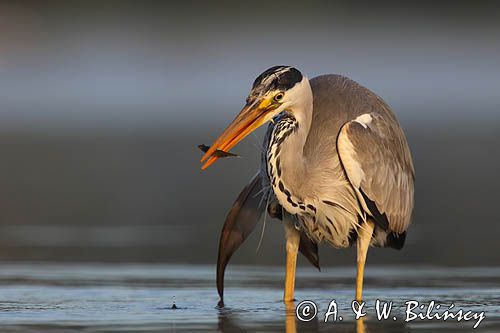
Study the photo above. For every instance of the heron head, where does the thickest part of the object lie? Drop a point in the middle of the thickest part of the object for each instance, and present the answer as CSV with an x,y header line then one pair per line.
x,y
273,91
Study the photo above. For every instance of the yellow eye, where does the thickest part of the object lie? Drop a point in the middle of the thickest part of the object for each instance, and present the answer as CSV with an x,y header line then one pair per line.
x,y
278,97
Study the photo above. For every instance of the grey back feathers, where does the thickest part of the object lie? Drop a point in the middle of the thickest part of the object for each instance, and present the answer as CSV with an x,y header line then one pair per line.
x,y
370,141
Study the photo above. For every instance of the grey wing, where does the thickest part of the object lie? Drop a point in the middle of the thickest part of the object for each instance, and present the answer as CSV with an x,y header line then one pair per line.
x,y
378,164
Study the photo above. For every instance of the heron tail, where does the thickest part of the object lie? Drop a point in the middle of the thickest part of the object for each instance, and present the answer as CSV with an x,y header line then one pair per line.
x,y
240,222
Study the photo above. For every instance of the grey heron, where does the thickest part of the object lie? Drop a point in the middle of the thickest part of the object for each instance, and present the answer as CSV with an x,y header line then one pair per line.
x,y
336,168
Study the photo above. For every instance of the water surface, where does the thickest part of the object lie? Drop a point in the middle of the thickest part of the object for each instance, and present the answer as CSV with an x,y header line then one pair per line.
x,y
127,297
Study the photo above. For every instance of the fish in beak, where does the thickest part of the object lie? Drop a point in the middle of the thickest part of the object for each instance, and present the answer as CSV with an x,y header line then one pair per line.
x,y
251,117
218,153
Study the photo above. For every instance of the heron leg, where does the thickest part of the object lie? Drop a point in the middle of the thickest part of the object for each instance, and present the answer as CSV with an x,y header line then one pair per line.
x,y
363,242
292,246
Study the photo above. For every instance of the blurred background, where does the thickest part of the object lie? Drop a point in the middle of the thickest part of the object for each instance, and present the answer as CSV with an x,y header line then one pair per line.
x,y
102,105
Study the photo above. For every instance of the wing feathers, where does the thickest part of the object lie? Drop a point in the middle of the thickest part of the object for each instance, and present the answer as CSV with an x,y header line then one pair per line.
x,y
376,157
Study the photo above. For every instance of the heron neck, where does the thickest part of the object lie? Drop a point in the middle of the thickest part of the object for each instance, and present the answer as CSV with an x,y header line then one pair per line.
x,y
292,152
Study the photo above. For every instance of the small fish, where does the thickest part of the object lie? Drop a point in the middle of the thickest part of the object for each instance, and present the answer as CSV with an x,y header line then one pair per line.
x,y
217,153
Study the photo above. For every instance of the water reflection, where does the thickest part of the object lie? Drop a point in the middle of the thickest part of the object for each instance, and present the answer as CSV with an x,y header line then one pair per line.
x,y
290,318
103,298
360,325
227,324
230,322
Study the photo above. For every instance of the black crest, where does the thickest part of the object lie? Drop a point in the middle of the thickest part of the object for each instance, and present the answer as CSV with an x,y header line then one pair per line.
x,y
277,78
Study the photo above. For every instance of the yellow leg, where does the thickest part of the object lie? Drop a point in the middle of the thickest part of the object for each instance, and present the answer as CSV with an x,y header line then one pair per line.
x,y
364,238
292,247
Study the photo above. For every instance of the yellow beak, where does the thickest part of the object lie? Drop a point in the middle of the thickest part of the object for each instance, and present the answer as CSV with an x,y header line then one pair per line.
x,y
248,120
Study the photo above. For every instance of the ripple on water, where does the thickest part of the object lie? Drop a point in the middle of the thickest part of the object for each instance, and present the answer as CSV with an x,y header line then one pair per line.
x,y
49,297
